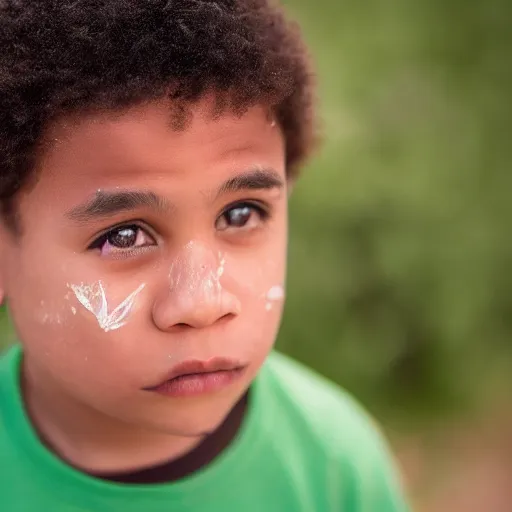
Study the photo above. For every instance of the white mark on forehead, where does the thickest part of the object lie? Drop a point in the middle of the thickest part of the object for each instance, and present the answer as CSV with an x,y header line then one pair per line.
x,y
93,298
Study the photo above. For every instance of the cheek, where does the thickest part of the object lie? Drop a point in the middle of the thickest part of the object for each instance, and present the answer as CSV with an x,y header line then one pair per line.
x,y
60,312
77,334
274,298
259,284
110,315
36,290
38,307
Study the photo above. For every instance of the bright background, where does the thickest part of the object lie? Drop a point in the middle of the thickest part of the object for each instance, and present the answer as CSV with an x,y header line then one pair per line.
x,y
400,282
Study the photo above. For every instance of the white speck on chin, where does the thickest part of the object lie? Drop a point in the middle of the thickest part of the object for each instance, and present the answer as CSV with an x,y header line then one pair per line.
x,y
73,310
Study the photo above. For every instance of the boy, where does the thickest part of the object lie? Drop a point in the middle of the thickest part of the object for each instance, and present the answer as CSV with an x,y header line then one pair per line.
x,y
147,152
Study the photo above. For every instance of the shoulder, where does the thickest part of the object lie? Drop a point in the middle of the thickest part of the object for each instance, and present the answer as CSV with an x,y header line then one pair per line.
x,y
329,411
341,432
9,362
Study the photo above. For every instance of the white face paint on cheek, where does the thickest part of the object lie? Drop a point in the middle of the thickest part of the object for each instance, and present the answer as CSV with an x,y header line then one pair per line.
x,y
93,299
275,294
47,313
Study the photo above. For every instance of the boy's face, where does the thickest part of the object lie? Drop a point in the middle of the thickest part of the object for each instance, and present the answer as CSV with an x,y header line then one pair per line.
x,y
144,248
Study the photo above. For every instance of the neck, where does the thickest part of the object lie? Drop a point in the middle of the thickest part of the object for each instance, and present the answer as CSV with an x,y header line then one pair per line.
x,y
97,444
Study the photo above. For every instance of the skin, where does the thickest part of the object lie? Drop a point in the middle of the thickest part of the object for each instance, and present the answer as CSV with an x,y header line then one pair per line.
x,y
84,385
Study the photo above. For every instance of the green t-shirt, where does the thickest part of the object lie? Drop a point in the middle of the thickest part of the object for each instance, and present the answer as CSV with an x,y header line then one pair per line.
x,y
304,446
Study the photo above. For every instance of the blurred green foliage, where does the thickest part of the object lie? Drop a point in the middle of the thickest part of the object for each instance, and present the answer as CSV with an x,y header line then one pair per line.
x,y
399,285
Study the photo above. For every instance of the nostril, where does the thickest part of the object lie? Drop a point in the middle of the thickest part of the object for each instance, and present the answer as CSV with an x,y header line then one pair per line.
x,y
180,327
226,317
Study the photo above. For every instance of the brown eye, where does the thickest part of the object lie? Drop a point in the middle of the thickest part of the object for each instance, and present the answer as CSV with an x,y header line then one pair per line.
x,y
241,216
123,239
238,217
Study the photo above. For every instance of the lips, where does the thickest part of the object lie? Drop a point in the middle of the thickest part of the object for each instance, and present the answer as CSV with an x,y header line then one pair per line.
x,y
197,377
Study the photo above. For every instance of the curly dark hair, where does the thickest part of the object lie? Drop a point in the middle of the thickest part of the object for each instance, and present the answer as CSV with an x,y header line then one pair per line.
x,y
61,57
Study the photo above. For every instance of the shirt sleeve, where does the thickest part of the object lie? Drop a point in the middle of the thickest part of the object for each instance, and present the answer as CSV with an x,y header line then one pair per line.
x,y
377,483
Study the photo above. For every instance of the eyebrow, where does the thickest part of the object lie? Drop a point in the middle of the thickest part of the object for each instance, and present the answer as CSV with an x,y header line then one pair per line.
x,y
255,179
106,204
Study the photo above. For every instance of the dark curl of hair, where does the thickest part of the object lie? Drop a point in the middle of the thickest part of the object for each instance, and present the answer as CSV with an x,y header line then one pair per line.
x,y
60,57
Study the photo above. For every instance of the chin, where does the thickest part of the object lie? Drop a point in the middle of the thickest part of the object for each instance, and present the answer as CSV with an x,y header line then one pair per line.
x,y
192,429
193,435
187,421
188,417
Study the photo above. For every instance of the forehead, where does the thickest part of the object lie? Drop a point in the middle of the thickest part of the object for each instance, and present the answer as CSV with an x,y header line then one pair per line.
x,y
141,146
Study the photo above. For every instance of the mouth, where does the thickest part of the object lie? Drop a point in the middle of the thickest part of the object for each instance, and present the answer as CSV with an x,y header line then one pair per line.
x,y
199,377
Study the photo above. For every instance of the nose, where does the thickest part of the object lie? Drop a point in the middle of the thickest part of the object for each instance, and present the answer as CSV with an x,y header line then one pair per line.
x,y
194,296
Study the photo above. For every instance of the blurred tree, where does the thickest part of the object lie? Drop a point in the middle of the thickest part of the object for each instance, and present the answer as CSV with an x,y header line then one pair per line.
x,y
399,251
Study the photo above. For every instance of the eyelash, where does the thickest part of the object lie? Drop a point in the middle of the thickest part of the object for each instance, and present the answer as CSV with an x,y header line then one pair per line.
x,y
263,212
